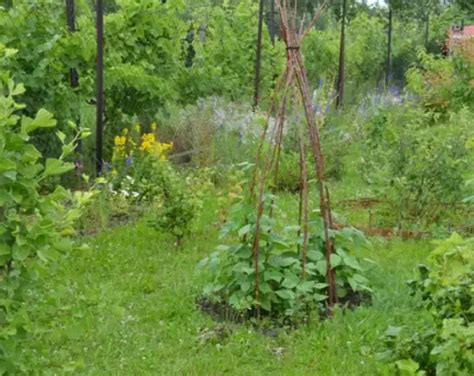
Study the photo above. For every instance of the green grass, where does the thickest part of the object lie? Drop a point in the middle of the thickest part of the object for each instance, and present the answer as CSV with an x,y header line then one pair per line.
x,y
127,306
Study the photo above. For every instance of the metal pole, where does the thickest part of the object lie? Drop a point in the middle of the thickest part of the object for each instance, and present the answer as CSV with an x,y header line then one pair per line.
x,y
71,26
99,85
427,30
73,75
388,76
342,58
272,21
258,58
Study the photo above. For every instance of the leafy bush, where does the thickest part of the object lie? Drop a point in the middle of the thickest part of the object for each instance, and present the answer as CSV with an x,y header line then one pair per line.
x,y
177,209
444,84
445,289
418,169
36,224
283,289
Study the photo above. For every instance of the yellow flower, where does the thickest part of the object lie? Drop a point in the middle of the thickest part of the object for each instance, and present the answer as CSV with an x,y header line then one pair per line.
x,y
120,141
148,142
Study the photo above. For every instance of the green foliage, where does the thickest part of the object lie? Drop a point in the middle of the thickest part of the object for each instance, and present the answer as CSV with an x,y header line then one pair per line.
x,y
283,289
224,59
289,172
417,168
36,224
445,288
177,208
444,84
364,55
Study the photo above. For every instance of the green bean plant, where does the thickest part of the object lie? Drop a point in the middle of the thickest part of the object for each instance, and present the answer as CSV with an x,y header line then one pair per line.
x,y
285,289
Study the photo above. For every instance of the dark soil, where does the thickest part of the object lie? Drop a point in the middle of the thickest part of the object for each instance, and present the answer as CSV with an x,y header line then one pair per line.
x,y
223,312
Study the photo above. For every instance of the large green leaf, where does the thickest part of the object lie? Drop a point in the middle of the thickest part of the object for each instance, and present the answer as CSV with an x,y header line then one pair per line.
x,y
57,167
43,119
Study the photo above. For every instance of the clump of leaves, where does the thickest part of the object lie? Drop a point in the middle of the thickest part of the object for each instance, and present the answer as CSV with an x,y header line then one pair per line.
x,y
284,290
177,206
446,290
417,169
36,223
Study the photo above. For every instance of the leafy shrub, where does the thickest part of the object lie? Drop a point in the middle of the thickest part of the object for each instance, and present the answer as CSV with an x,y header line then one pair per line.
x,y
283,290
444,84
177,209
445,289
36,224
418,169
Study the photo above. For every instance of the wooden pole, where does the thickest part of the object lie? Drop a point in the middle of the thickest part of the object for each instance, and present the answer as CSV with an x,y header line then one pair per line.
x,y
258,59
99,85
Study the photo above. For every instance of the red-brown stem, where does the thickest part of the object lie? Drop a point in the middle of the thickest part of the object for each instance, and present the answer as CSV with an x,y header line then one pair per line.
x,y
304,204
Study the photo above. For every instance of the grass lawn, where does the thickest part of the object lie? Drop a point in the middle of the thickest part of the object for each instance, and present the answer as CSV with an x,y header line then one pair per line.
x,y
127,306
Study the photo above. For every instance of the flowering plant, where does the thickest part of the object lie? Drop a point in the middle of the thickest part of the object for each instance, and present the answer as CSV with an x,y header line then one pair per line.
x,y
133,143
137,162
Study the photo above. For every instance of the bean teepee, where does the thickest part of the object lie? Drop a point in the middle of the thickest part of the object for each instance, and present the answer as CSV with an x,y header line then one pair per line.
x,y
293,88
